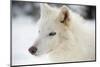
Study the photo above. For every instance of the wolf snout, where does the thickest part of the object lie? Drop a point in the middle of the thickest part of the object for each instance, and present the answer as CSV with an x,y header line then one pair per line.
x,y
32,50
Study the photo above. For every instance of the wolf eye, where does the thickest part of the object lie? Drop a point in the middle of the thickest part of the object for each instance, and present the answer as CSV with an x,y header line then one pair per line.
x,y
52,33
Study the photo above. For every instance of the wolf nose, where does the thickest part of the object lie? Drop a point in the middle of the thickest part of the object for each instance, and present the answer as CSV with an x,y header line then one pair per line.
x,y
32,50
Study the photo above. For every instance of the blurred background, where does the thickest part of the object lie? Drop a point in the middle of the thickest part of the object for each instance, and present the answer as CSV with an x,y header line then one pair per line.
x,y
24,30
33,9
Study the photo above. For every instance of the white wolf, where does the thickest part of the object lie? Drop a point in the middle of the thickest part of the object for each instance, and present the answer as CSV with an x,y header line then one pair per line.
x,y
64,35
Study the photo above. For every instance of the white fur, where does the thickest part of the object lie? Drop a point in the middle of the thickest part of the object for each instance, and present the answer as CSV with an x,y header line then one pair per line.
x,y
72,42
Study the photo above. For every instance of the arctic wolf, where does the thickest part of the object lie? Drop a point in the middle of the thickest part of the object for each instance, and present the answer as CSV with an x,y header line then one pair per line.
x,y
64,36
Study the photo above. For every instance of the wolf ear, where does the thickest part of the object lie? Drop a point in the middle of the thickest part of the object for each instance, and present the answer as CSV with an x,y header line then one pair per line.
x,y
64,14
45,9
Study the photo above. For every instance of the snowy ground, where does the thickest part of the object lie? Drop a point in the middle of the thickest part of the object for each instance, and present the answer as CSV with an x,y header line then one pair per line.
x,y
23,35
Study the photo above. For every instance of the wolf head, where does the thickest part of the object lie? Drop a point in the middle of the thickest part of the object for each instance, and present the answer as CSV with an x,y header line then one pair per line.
x,y
54,26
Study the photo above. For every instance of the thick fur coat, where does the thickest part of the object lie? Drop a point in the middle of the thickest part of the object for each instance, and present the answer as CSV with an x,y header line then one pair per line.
x,y
74,39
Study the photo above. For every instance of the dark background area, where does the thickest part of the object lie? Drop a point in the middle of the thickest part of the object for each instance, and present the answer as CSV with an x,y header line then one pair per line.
x,y
33,9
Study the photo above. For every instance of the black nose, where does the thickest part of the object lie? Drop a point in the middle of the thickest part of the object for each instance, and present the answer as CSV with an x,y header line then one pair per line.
x,y
32,50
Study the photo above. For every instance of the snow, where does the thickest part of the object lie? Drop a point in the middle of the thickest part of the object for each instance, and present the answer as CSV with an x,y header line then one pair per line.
x,y
24,33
